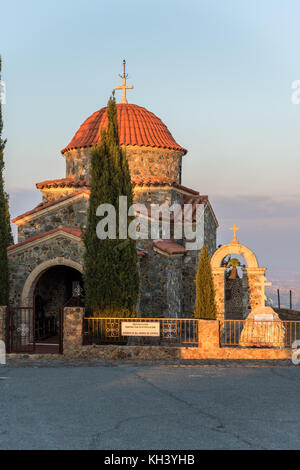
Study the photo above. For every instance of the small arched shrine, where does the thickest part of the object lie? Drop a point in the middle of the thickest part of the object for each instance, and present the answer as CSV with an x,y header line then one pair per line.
x,y
252,284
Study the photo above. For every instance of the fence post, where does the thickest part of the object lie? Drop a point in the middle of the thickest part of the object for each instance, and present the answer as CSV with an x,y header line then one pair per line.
x,y
72,339
209,336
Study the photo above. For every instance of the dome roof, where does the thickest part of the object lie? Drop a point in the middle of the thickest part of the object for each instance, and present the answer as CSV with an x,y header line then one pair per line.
x,y
137,126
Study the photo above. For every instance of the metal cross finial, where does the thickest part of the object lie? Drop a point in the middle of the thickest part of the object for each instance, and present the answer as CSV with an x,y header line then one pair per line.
x,y
124,87
234,229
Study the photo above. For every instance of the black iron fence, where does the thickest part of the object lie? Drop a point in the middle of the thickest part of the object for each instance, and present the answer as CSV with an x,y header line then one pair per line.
x,y
259,333
146,331
20,330
46,328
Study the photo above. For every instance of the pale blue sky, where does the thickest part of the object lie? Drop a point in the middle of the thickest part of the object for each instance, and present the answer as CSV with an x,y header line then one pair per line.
x,y
217,72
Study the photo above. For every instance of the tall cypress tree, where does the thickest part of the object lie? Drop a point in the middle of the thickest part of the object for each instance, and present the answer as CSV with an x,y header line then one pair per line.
x,y
111,278
4,238
10,237
205,293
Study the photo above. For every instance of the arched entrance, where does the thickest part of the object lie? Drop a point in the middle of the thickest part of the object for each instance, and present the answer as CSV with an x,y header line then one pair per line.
x,y
252,284
51,286
55,288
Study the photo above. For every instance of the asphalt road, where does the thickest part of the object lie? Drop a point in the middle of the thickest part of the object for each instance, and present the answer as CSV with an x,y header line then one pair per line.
x,y
155,407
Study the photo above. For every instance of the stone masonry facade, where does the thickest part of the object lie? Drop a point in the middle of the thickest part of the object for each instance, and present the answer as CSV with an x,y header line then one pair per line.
x,y
144,162
167,274
23,261
73,214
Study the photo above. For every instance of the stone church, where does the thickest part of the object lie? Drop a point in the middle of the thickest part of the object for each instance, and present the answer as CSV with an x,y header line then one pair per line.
x,y
46,263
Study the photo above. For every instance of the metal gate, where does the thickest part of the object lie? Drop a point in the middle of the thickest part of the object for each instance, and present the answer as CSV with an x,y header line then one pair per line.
x,y
20,330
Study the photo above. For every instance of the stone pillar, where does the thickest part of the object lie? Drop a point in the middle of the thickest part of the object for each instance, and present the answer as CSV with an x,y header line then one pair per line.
x,y
219,285
246,293
3,323
256,282
208,335
221,318
73,320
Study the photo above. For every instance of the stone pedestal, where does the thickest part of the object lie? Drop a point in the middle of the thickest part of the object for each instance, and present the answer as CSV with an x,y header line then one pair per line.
x,y
73,323
263,328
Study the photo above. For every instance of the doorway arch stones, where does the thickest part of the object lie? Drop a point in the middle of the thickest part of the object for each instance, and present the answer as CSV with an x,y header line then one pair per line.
x,y
32,279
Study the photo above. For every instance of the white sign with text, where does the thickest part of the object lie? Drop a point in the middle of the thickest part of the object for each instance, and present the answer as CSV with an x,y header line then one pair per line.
x,y
135,328
264,317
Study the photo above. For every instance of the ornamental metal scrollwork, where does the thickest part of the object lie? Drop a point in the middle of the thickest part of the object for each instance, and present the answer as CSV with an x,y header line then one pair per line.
x,y
170,329
112,330
23,330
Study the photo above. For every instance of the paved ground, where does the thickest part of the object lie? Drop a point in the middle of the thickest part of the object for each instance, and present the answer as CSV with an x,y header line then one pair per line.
x,y
217,405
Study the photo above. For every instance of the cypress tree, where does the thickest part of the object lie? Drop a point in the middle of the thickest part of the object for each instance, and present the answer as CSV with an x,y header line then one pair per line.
x,y
4,238
111,278
205,293
10,237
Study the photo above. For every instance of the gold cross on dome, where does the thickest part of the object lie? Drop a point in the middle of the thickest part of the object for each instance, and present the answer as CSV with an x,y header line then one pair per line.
x,y
234,229
124,87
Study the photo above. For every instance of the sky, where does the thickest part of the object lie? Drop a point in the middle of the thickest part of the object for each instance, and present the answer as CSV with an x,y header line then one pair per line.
x,y
218,73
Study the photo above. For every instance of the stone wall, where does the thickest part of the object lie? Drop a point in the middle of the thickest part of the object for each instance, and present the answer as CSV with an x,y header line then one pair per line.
x,y
189,270
78,163
54,194
208,345
23,262
153,195
161,284
210,231
143,162
74,213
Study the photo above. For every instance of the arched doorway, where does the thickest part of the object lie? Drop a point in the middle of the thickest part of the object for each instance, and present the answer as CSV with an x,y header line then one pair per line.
x,y
49,287
57,287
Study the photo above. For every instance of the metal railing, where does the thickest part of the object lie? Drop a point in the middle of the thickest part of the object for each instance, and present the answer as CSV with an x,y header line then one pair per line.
x,y
142,331
259,333
45,328
20,330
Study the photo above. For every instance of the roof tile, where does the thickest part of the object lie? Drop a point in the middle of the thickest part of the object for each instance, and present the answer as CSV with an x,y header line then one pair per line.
x,y
137,126
170,247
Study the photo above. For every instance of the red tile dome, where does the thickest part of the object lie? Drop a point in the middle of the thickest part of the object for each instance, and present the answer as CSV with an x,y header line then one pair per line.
x,y
137,126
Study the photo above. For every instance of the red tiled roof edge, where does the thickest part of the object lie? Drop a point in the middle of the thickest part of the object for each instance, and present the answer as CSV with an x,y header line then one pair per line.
x,y
63,183
62,228
42,206
170,247
140,253
153,181
161,181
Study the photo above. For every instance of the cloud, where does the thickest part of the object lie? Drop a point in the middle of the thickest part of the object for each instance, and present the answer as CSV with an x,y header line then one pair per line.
x,y
257,207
